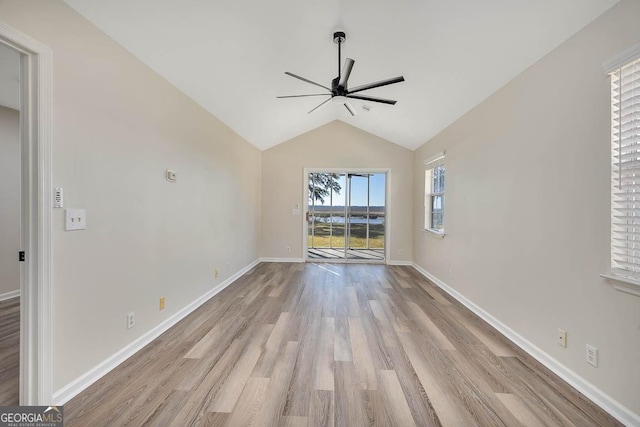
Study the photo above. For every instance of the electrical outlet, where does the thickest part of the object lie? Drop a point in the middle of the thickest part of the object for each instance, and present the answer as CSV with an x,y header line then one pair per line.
x,y
561,338
75,219
161,303
216,273
287,248
592,355
131,320
399,251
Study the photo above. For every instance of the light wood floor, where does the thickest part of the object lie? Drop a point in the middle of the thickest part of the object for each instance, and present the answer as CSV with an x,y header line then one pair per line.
x,y
9,351
346,345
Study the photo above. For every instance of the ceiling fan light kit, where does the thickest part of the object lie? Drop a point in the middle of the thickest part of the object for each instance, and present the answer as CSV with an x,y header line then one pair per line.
x,y
339,92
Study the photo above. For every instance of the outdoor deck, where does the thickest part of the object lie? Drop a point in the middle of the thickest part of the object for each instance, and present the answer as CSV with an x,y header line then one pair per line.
x,y
352,254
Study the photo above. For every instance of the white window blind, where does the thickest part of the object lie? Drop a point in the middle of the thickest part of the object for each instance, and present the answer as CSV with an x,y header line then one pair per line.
x,y
625,191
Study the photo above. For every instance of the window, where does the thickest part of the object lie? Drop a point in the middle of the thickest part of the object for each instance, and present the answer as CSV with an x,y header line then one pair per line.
x,y
625,169
434,194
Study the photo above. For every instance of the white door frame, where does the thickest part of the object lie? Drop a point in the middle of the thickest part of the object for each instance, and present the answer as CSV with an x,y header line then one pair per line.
x,y
35,273
305,204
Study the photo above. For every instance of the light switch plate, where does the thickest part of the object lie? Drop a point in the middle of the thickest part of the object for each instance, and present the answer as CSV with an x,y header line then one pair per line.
x,y
76,219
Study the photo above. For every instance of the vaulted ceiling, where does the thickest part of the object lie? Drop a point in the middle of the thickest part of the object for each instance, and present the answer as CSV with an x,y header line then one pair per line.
x,y
230,56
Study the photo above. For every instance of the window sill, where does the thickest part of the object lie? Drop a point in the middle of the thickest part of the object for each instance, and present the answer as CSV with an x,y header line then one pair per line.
x,y
623,284
434,234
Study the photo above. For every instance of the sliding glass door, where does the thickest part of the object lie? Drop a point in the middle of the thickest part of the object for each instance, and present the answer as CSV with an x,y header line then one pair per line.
x,y
326,215
346,216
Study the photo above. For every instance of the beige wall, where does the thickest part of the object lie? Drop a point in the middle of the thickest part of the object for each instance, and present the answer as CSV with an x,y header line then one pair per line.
x,y
9,199
117,127
527,208
334,145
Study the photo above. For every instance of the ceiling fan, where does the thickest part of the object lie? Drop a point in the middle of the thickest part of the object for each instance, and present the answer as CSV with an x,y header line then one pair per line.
x,y
339,91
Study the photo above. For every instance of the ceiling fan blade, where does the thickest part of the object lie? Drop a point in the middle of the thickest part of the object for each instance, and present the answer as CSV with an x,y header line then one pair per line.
x,y
300,96
321,104
373,99
376,84
346,71
306,80
350,108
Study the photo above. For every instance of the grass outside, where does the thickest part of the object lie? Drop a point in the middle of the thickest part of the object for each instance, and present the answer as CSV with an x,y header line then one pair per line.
x,y
358,238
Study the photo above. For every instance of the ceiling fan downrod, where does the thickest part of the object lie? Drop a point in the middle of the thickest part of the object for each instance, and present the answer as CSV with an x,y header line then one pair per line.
x,y
339,37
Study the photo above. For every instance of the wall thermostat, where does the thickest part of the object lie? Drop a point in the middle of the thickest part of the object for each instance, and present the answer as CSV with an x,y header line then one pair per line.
x,y
172,176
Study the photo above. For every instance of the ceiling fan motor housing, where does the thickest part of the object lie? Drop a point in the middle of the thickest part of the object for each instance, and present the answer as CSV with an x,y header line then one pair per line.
x,y
336,89
339,37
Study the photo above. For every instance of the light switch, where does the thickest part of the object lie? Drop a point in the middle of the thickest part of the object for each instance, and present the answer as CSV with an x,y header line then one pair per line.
x,y
76,219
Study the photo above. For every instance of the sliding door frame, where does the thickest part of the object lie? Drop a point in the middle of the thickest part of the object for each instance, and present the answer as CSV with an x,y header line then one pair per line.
x,y
346,171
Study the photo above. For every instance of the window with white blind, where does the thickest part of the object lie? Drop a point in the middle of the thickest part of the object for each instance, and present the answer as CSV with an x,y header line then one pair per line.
x,y
625,188
434,194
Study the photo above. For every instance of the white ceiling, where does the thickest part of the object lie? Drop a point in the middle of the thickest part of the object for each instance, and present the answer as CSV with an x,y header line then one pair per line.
x,y
230,56
9,77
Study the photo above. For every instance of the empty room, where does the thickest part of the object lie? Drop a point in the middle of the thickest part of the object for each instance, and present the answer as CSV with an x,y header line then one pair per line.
x,y
338,213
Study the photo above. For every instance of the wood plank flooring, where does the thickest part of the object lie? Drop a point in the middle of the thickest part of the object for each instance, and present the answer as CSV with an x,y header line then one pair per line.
x,y
9,351
332,345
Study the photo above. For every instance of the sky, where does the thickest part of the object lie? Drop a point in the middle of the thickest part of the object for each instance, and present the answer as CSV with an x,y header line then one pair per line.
x,y
359,191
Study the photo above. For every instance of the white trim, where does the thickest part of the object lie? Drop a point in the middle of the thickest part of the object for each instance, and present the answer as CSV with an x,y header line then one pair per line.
x,y
305,212
36,368
281,259
627,289
433,233
434,158
597,396
409,263
623,284
10,295
388,215
621,59
76,386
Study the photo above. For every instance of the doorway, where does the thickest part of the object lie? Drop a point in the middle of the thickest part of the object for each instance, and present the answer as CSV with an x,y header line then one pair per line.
x,y
346,216
35,202
10,224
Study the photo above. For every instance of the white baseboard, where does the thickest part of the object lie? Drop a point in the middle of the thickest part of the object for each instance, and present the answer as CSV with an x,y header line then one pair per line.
x,y
9,295
76,386
281,259
597,396
392,262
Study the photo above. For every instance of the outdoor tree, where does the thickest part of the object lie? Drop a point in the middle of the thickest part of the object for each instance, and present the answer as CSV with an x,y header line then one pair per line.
x,y
321,184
